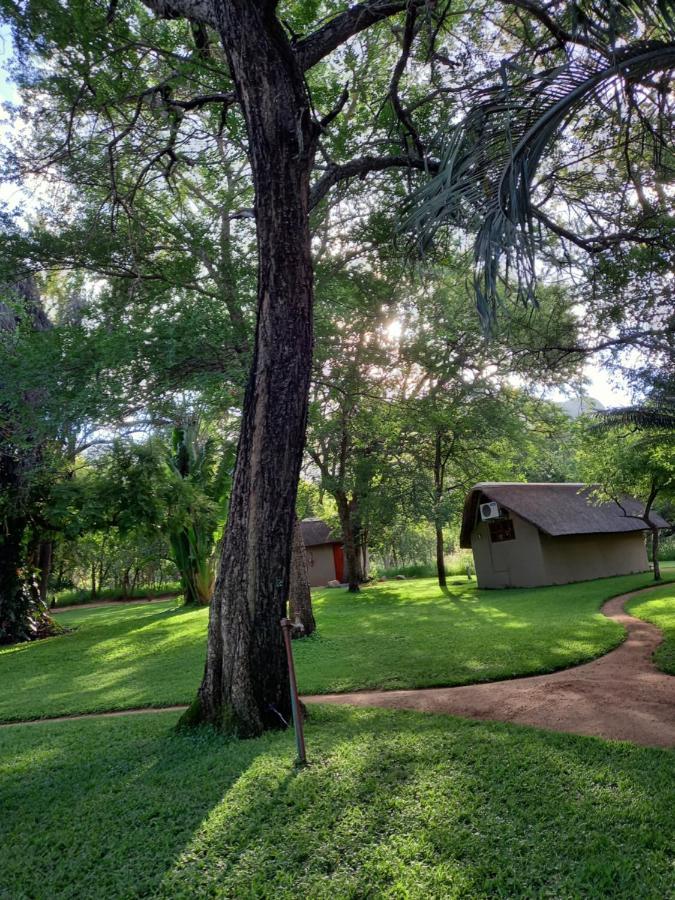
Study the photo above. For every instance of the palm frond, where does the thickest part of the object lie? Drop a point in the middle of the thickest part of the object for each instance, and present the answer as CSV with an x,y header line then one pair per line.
x,y
643,418
492,158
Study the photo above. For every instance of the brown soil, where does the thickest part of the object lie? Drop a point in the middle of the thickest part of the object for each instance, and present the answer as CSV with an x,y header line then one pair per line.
x,y
620,696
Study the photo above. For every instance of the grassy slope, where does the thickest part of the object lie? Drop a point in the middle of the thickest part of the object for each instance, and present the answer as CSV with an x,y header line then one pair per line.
x,y
659,608
393,805
392,635
77,597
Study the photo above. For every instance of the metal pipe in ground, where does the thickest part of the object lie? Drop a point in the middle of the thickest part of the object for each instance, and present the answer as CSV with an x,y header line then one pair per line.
x,y
287,627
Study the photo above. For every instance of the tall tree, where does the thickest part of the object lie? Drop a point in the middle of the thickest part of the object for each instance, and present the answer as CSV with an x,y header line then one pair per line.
x,y
129,87
25,438
622,461
244,686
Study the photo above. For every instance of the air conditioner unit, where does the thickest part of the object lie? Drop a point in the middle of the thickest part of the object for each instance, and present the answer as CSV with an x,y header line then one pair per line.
x,y
489,511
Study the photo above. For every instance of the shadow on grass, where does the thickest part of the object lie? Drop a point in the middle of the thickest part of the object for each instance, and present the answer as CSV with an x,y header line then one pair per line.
x,y
396,804
402,635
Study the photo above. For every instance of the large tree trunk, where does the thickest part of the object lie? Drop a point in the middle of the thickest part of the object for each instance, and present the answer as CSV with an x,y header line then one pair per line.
x,y
653,493
299,595
12,589
440,557
438,491
349,525
23,615
245,686
364,554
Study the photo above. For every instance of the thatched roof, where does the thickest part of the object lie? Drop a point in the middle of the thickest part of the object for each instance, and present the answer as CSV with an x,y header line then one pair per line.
x,y
315,532
556,509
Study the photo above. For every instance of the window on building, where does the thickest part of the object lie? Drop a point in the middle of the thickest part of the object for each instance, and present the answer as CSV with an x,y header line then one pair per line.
x,y
502,530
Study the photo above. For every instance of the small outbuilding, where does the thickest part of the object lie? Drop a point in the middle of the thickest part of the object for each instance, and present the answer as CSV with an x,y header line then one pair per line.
x,y
525,535
325,553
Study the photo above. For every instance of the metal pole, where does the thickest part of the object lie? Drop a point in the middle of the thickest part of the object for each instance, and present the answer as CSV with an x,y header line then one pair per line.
x,y
286,627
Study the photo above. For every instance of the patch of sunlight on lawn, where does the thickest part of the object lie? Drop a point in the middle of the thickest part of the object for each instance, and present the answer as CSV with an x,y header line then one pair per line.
x,y
391,635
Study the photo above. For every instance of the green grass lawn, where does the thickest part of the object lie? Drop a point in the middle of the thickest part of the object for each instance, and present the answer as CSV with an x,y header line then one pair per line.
x,y
398,805
392,635
659,608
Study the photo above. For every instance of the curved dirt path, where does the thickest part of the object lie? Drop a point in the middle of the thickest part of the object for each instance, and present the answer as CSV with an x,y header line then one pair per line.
x,y
619,696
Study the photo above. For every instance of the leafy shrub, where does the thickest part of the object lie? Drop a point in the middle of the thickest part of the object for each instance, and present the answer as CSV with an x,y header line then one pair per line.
x,y
667,548
455,564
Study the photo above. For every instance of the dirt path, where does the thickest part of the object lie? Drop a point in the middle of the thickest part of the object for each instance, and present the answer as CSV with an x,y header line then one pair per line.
x,y
158,599
620,696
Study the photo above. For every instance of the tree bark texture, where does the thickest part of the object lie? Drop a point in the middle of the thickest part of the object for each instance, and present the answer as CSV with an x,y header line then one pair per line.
x,y
440,557
13,611
350,527
438,490
245,685
299,594
23,615
653,493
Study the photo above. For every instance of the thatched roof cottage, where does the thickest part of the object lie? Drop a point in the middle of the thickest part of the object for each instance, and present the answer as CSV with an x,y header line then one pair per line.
x,y
524,535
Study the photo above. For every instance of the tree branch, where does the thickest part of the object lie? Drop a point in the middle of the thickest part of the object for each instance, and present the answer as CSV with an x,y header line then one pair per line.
x,y
313,48
538,12
227,99
200,11
592,243
401,113
360,167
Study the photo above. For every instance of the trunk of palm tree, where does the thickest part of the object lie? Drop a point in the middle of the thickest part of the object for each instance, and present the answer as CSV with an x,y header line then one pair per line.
x,y
299,595
245,685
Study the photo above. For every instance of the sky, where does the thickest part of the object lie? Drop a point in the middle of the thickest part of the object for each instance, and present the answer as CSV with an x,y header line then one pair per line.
x,y
7,91
600,385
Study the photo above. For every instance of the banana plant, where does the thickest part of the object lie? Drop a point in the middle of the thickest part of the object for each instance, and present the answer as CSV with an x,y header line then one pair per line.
x,y
201,479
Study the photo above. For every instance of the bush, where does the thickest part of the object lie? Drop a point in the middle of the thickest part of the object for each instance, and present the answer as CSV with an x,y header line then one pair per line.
x,y
666,548
455,564
77,597
416,570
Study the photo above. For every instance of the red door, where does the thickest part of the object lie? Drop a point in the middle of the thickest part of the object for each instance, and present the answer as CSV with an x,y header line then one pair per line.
x,y
339,560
